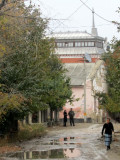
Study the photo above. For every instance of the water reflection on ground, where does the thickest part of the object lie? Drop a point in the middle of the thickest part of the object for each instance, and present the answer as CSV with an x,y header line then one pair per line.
x,y
61,141
50,148
50,154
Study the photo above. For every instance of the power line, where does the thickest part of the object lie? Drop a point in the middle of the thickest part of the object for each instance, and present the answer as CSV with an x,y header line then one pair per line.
x,y
69,16
76,10
62,23
52,19
83,3
85,26
95,12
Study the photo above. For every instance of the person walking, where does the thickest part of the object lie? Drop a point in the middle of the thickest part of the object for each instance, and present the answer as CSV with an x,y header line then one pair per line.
x,y
108,127
71,116
65,118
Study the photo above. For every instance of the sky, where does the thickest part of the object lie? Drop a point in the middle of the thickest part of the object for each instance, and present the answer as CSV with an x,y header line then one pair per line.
x,y
71,15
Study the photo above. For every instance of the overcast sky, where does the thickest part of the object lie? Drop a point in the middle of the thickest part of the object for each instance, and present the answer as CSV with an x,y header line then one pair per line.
x,y
81,20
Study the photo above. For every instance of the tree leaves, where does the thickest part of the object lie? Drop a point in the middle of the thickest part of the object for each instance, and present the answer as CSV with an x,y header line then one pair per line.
x,y
32,77
111,100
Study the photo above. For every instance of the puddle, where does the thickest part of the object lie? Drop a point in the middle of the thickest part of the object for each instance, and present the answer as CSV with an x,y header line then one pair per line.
x,y
71,145
50,154
61,141
68,138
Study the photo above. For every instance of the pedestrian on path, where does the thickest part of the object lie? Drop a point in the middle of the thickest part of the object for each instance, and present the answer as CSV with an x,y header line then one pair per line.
x,y
71,116
108,127
65,117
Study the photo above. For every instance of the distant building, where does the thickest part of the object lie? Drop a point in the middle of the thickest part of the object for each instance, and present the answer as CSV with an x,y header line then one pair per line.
x,y
71,48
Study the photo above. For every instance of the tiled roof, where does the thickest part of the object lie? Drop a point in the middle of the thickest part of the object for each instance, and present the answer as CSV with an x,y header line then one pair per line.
x,y
96,67
75,71
73,35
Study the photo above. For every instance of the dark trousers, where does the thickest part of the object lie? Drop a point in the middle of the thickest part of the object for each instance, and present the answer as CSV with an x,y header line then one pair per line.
x,y
72,121
65,121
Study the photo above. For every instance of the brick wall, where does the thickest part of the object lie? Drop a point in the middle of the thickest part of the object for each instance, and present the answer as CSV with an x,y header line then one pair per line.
x,y
76,60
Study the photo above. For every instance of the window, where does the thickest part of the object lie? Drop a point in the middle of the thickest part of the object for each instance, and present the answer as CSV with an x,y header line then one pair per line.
x,y
66,44
86,44
90,44
59,44
99,44
70,44
82,44
77,44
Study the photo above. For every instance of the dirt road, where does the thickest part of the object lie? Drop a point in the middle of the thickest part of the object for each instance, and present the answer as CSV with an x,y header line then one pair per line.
x,y
81,142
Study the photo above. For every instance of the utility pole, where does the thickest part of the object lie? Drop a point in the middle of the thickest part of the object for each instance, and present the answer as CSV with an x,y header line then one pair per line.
x,y
85,120
88,59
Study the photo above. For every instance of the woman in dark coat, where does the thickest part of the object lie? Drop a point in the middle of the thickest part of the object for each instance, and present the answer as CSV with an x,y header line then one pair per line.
x,y
65,117
108,127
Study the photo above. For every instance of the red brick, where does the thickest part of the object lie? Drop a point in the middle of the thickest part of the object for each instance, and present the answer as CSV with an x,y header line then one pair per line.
x,y
76,60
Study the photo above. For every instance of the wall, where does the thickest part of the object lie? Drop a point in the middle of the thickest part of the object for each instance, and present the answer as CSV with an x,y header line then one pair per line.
x,y
96,84
76,60
99,82
78,106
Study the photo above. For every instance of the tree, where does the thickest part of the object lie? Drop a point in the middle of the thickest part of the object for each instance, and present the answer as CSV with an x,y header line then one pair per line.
x,y
29,69
111,100
8,101
57,89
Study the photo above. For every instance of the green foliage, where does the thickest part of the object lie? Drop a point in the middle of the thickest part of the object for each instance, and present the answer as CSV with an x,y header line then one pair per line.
x,y
57,88
111,100
32,77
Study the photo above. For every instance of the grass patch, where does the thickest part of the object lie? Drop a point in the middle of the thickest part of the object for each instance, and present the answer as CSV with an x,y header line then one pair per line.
x,y
27,132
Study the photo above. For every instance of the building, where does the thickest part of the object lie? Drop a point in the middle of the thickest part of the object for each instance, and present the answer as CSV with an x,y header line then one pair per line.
x,y
71,48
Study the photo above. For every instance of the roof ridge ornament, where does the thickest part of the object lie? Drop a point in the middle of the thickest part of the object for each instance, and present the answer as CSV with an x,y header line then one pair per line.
x,y
94,30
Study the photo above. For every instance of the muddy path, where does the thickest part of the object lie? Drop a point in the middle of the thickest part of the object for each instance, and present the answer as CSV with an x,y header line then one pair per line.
x,y
81,142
